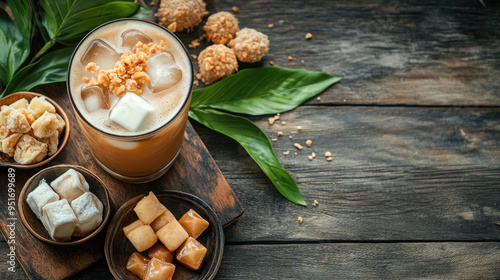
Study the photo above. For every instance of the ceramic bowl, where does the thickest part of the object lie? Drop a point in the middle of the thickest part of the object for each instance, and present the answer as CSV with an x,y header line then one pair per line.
x,y
118,249
5,160
35,226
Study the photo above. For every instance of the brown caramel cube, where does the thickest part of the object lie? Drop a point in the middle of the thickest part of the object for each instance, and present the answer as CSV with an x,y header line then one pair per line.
x,y
137,264
172,235
162,220
8,144
193,223
161,252
45,125
20,104
29,116
29,150
142,237
39,105
159,270
191,253
132,226
149,208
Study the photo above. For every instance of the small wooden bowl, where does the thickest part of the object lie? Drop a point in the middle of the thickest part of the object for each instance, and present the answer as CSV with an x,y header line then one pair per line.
x,y
118,248
5,160
35,226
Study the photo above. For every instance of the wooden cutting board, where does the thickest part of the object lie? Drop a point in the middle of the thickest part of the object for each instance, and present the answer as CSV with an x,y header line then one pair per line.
x,y
194,171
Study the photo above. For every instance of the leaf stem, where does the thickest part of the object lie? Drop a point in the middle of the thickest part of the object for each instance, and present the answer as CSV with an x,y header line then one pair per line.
x,y
45,48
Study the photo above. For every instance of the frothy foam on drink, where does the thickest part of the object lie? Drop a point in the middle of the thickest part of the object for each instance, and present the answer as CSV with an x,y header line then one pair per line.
x,y
113,39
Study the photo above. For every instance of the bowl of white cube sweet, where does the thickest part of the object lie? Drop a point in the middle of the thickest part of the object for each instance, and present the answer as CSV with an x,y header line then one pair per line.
x,y
64,205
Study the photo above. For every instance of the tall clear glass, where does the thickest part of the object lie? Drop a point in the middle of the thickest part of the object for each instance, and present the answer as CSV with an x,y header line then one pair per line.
x,y
131,157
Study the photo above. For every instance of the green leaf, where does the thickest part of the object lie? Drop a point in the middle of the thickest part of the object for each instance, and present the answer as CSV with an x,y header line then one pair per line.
x,y
255,142
261,91
51,68
22,16
13,48
68,21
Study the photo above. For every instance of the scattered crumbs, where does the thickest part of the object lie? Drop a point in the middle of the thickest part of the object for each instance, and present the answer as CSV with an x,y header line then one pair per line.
x,y
152,3
300,220
298,146
313,154
286,153
196,83
309,143
283,123
277,117
293,64
198,76
315,203
86,79
271,62
290,58
310,157
318,98
278,114
270,25
194,56
299,128
274,139
329,158
345,100
309,36
236,9
328,154
295,153
271,120
194,43
280,133
290,136
302,61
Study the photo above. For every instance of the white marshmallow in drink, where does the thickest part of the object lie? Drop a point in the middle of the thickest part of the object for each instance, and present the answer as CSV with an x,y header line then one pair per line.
x,y
131,111
70,185
40,196
59,220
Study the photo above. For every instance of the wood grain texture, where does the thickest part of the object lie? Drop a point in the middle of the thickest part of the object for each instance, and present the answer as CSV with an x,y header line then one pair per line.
x,y
344,261
194,172
398,173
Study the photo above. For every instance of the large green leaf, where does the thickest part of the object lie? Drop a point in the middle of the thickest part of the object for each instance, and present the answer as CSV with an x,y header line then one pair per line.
x,y
13,48
51,68
261,91
255,142
67,21
22,16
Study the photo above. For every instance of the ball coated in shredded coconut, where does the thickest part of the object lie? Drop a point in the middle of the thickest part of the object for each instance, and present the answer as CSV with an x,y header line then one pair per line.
x,y
216,62
221,27
250,45
179,15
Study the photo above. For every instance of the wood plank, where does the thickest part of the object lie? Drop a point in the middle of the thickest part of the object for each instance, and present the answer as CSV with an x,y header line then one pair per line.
x,y
194,172
398,173
387,52
448,260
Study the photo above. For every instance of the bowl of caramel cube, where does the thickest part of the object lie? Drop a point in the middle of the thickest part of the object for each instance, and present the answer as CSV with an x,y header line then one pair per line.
x,y
33,130
167,235
64,205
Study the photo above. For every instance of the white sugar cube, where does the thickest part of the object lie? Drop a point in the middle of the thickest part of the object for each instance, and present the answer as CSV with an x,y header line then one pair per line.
x,y
88,210
131,111
70,185
40,196
59,220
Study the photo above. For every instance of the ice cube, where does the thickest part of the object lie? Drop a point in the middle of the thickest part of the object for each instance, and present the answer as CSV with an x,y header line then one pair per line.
x,y
131,111
101,53
163,72
132,36
94,98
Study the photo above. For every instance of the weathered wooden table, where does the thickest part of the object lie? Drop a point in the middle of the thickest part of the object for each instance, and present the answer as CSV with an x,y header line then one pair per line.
x,y
413,190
